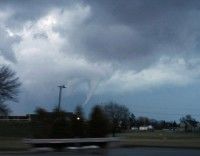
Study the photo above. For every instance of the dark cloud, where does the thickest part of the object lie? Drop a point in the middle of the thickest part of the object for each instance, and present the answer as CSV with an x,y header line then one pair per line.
x,y
142,11
20,12
128,34
40,36
123,31
6,43
31,10
139,30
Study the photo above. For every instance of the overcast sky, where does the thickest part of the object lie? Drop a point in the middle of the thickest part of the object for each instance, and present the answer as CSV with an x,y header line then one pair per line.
x,y
140,53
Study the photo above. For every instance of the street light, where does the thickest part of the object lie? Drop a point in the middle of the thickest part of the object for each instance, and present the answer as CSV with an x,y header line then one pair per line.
x,y
60,95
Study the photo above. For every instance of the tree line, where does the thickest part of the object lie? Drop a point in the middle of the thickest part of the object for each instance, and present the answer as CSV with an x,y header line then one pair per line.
x,y
110,118
105,118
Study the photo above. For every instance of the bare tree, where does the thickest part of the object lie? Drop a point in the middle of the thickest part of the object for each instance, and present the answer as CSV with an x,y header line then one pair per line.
x,y
143,121
9,87
98,122
4,110
118,116
189,122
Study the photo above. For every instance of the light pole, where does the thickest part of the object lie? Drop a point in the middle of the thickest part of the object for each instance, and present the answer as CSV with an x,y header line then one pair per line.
x,y
60,95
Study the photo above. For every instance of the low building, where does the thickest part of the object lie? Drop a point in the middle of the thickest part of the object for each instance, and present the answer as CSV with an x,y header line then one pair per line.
x,y
134,128
146,128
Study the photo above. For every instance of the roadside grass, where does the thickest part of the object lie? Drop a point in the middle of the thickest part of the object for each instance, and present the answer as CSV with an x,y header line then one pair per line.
x,y
12,144
161,139
15,129
12,134
160,135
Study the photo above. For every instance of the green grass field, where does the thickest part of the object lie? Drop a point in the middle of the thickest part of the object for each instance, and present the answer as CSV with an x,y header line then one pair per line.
x,y
161,139
160,135
12,134
12,144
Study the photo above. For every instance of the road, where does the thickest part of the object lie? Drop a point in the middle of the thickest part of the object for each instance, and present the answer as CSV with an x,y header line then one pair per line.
x,y
115,152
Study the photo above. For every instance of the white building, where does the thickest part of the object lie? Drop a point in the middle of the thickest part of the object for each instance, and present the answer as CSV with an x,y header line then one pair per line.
x,y
146,128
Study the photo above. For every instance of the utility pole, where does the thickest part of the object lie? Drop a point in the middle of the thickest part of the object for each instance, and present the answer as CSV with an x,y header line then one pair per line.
x,y
60,95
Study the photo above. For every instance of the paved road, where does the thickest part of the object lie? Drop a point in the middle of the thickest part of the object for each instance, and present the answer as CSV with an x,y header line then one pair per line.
x,y
116,152
87,152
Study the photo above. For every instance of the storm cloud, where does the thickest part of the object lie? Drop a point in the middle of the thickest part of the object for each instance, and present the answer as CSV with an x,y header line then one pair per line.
x,y
105,47
120,30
